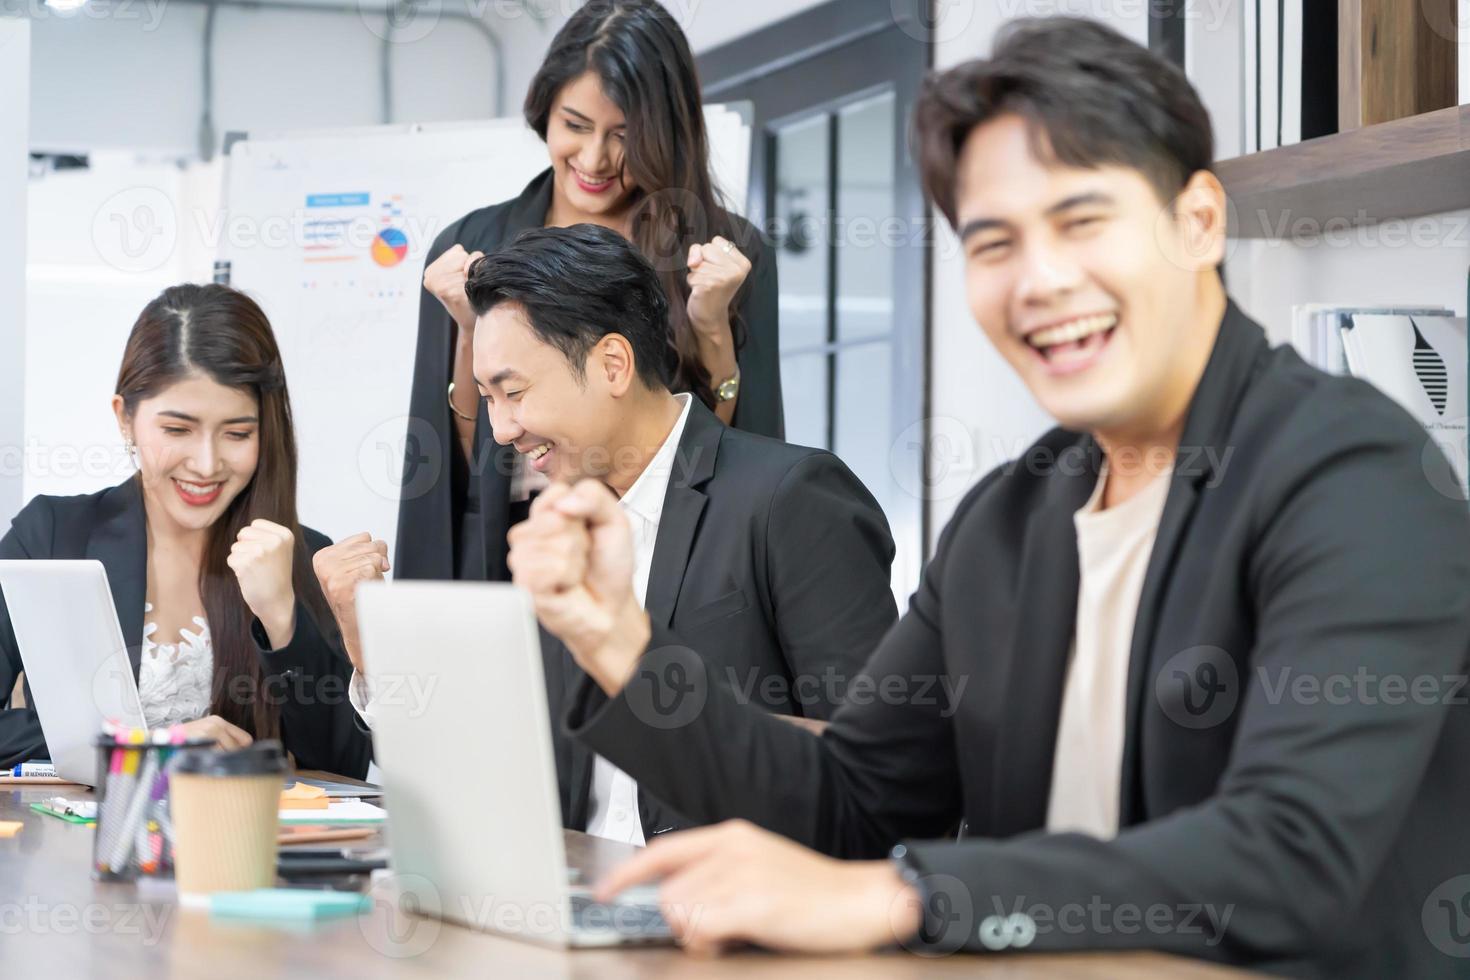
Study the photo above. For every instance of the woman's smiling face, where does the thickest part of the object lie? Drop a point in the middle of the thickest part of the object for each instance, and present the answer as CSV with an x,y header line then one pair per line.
x,y
198,444
585,138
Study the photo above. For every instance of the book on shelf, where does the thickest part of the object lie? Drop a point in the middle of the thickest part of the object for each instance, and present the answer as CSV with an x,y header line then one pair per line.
x,y
1268,77
1290,106
1316,329
1214,60
1318,67
1267,72
1423,363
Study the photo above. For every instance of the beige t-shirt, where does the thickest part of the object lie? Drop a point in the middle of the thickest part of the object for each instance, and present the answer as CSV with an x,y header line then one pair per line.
x,y
1113,549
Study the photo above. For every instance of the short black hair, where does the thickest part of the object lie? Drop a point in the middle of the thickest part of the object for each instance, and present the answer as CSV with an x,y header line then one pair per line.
x,y
1091,96
577,285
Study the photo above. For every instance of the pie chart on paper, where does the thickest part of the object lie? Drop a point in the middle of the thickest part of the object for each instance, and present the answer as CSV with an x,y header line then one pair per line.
x,y
389,247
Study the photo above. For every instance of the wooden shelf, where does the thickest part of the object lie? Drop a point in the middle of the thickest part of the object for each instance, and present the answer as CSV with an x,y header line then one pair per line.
x,y
1400,169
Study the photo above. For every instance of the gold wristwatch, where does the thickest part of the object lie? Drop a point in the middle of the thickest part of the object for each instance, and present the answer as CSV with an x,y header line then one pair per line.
x,y
729,388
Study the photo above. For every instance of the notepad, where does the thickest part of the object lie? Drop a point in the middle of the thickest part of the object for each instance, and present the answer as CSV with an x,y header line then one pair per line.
x,y
287,903
9,828
345,811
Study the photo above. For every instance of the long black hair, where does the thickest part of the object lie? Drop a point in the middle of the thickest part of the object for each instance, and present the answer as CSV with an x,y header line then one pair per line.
x,y
223,334
642,58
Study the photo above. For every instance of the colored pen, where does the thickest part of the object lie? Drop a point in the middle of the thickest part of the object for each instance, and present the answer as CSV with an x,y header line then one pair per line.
x,y
110,813
130,810
33,769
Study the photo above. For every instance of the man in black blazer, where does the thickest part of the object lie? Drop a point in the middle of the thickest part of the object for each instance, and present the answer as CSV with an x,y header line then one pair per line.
x,y
1215,627
771,559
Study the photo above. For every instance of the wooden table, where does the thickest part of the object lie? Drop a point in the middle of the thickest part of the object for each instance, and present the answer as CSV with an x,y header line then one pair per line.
x,y
55,921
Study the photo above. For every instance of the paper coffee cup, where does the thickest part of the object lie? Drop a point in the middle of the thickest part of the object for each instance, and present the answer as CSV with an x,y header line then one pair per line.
x,y
225,808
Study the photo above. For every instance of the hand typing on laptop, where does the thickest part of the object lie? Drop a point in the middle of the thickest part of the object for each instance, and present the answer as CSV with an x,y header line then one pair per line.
x,y
716,891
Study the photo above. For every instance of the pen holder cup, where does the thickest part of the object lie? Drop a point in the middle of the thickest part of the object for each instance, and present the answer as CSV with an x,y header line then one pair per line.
x,y
134,833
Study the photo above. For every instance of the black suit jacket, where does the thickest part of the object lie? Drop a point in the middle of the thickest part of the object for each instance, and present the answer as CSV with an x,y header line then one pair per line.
x,y
318,725
1303,545
771,560
428,513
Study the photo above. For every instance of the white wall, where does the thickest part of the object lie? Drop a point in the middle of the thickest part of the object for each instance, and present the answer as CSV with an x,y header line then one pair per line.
x,y
305,69
272,70
15,39
113,237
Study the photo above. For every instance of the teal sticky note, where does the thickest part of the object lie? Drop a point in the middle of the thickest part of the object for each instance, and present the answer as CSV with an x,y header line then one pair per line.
x,y
287,903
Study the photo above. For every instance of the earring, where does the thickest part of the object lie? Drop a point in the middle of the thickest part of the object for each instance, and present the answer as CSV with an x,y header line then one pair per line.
x,y
131,449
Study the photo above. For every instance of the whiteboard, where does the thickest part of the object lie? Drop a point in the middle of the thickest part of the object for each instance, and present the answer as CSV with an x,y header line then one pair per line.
x,y
328,232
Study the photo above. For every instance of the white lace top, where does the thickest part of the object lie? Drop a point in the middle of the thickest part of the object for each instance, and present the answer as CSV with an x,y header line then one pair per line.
x,y
174,678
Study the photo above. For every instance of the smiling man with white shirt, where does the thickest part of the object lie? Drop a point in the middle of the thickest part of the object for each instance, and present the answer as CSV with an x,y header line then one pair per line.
x,y
771,560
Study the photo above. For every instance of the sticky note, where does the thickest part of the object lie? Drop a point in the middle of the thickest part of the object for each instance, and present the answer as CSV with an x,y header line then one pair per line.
x,y
9,828
287,903
303,796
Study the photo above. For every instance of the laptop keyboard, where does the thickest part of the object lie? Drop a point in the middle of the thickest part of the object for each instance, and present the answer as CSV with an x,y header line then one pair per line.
x,y
630,921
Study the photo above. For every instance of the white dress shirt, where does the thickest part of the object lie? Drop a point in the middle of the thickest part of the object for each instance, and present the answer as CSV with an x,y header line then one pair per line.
x,y
614,803
1113,549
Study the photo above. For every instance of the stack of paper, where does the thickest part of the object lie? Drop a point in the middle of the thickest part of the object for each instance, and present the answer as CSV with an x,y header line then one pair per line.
x,y
340,811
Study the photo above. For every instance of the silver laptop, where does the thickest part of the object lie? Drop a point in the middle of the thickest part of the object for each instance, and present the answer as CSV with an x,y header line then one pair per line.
x,y
463,741
74,655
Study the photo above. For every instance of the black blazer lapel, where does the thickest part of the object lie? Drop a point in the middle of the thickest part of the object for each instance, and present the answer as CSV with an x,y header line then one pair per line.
x,y
530,207
1229,371
494,462
1046,615
120,542
684,503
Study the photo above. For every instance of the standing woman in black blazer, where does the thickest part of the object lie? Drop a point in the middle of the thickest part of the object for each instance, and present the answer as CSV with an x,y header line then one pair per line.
x,y
202,542
617,102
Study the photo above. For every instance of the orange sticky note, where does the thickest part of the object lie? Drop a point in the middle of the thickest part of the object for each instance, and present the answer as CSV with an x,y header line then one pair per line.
x,y
302,796
9,828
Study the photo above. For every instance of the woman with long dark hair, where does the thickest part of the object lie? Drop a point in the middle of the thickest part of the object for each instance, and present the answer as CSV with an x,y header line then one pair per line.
x,y
210,571
618,103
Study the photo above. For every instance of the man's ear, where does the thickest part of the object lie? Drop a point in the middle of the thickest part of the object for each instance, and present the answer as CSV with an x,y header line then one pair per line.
x,y
612,358
1201,215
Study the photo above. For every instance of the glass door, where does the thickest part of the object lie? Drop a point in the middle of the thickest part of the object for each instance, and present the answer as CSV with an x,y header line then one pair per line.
x,y
838,198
